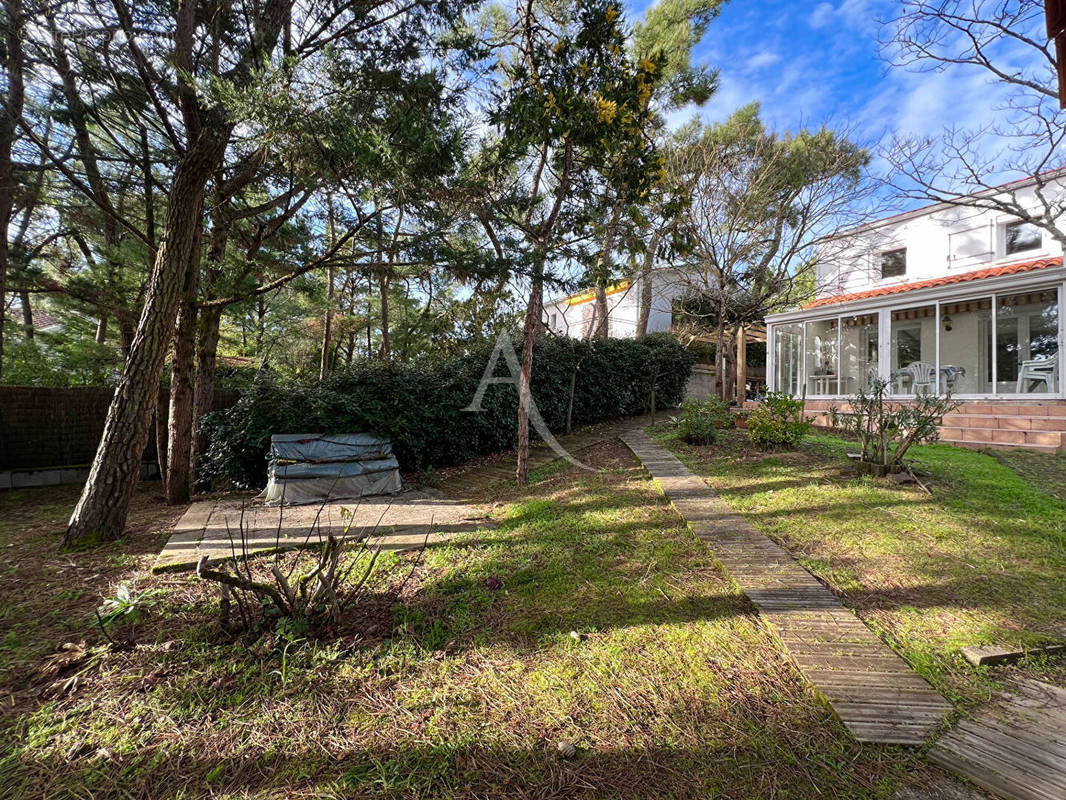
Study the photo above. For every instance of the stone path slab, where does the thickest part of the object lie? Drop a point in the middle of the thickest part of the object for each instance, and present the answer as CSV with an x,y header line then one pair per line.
x,y
1015,747
399,522
873,691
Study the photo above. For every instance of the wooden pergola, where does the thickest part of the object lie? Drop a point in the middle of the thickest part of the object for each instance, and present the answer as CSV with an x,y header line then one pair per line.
x,y
745,334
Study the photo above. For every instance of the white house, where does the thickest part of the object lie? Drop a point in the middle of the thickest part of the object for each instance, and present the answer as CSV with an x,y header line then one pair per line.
x,y
943,298
574,315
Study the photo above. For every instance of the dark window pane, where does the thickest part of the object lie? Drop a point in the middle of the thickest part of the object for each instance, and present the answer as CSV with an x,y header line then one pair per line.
x,y
1022,236
894,263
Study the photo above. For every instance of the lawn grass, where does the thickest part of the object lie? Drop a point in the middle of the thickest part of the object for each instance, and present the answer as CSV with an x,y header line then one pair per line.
x,y
613,631
980,560
1046,471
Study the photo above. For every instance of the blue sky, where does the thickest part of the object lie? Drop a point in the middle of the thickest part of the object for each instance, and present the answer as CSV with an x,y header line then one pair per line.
x,y
810,63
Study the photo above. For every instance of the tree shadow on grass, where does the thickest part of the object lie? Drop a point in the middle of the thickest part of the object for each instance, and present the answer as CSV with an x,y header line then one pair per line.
x,y
792,751
519,588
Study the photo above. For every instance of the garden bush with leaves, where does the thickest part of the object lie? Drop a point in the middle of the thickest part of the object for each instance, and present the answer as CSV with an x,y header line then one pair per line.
x,y
419,407
778,421
700,420
886,430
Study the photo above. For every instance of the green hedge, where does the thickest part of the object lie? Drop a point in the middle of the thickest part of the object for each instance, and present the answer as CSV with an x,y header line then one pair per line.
x,y
419,407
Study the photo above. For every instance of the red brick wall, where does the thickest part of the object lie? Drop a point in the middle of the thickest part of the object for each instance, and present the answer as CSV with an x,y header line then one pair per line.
x,y
44,427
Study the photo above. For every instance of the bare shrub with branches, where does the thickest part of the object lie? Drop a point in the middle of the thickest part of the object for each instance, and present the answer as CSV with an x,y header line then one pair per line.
x,y
887,430
327,576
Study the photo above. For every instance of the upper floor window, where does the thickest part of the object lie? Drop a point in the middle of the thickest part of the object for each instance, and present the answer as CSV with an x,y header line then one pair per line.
x,y
1022,236
894,263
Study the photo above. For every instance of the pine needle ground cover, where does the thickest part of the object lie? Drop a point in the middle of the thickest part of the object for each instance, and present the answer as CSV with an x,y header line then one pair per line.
x,y
583,645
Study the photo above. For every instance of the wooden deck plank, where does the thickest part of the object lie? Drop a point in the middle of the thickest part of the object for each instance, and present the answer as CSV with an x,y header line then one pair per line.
x,y
987,776
1015,746
876,694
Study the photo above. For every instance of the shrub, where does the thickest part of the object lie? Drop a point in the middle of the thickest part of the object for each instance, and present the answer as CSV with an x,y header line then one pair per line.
x,y
315,590
419,407
887,430
700,419
778,421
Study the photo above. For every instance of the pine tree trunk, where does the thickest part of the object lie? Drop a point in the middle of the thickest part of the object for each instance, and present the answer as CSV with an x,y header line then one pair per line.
x,y
260,329
183,368
27,315
208,327
100,514
644,311
159,425
101,328
209,324
9,118
529,334
385,350
602,327
327,325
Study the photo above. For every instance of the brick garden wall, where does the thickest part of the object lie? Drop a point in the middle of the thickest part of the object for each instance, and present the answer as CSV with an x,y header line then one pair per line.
x,y
42,427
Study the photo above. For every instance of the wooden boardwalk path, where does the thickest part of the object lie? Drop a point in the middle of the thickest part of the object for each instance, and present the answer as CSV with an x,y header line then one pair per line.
x,y
1016,747
876,694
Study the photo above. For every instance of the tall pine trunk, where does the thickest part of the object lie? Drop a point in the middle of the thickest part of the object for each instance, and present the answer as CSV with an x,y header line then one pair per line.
x,y
27,315
327,325
9,120
209,324
602,271
385,350
208,327
601,326
529,335
644,309
100,514
159,426
183,368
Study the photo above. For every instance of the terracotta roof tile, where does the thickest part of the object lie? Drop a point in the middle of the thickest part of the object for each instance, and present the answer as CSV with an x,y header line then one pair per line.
x,y
946,280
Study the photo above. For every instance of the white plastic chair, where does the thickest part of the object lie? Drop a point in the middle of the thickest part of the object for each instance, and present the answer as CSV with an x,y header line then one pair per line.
x,y
922,375
1037,371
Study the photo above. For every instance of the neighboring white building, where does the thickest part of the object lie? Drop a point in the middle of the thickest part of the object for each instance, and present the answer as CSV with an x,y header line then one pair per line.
x,y
574,315
940,298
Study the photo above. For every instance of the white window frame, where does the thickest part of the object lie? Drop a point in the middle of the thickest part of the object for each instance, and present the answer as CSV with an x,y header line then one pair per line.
x,y
884,334
970,262
1001,249
1060,290
877,269
803,361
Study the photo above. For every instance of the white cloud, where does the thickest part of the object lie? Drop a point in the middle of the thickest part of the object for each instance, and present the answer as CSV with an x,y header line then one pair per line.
x,y
764,58
822,15
855,14
910,104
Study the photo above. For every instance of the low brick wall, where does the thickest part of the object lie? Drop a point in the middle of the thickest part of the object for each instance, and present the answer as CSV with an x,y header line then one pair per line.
x,y
986,424
43,428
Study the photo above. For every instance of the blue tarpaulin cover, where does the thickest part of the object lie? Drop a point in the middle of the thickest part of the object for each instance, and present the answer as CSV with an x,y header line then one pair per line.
x,y
311,467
